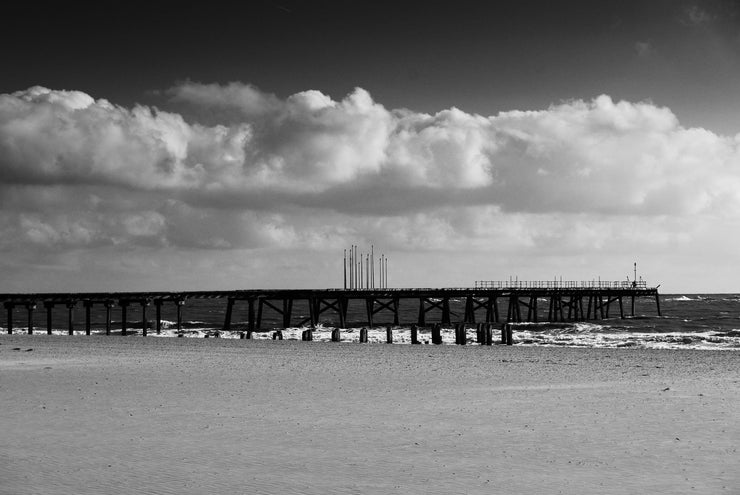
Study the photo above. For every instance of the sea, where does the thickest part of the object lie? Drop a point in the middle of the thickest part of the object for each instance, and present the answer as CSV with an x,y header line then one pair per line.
x,y
687,321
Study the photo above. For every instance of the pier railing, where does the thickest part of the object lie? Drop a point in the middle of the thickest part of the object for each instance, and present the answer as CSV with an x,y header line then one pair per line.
x,y
559,284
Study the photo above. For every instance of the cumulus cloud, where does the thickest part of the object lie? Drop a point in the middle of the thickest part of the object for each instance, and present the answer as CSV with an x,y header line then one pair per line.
x,y
231,167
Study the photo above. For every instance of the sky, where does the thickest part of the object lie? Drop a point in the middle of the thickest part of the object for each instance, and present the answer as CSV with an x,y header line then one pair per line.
x,y
206,146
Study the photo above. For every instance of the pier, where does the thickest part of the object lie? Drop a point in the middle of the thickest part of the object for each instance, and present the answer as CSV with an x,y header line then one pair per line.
x,y
488,303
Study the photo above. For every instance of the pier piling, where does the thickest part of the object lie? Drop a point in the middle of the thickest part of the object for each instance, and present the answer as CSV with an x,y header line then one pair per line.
x,y
9,308
414,334
30,306
70,314
49,306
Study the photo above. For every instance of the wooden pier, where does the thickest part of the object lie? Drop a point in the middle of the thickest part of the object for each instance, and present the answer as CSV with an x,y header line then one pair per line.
x,y
487,303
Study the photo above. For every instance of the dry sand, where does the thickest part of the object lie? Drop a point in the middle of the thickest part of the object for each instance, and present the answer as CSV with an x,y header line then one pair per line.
x,y
91,415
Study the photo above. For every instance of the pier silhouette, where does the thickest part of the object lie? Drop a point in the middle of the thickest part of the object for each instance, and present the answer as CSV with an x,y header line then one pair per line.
x,y
488,302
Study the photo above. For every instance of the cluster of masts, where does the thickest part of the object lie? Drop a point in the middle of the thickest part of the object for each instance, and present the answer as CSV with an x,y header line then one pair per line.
x,y
360,269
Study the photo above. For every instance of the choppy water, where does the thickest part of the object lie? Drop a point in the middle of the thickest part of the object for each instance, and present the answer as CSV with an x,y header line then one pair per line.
x,y
688,321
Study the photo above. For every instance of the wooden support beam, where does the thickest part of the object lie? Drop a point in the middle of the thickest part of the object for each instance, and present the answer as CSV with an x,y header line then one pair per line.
x,y
389,335
446,310
414,335
179,303
9,307
158,314
422,313
229,311
108,307
49,306
88,318
363,335
144,323
261,303
124,316
287,311
369,303
70,314
469,310
30,306
343,303
251,326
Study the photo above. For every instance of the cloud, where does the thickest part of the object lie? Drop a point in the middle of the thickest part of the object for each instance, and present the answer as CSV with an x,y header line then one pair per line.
x,y
644,49
694,15
229,167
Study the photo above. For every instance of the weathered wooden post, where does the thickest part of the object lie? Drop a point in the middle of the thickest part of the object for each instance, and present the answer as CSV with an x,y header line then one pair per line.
x,y
9,306
287,310
229,309
504,335
70,314
436,333
277,335
48,305
489,334
30,306
179,303
250,315
124,306
363,335
249,334
414,335
388,335
88,305
480,337
446,310
422,313
460,334
108,307
335,335
158,314
509,335
144,323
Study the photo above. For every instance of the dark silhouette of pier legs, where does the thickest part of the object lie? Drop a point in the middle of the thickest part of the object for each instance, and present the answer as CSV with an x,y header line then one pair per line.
x,y
70,314
108,308
227,318
9,308
88,324
179,304
144,304
443,305
124,317
30,306
49,306
158,314
250,325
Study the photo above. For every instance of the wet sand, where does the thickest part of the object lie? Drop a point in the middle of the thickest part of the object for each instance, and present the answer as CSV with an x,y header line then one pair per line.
x,y
90,415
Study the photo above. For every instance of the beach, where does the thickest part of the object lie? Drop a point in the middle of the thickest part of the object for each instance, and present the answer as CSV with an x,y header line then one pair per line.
x,y
96,414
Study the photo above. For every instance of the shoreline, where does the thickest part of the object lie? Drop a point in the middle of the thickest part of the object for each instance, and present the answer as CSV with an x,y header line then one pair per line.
x,y
113,415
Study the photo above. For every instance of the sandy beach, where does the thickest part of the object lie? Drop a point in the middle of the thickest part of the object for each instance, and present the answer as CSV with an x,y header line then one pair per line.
x,y
90,415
